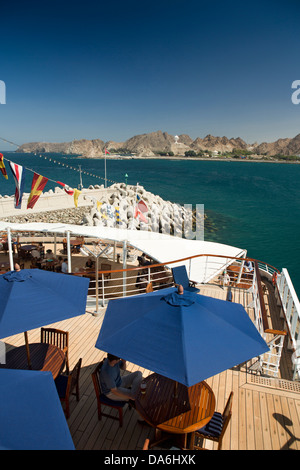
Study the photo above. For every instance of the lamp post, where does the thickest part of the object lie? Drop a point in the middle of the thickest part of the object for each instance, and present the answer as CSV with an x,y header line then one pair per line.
x,y
126,176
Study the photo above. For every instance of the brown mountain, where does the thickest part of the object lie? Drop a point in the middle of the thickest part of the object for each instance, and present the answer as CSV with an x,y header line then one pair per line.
x,y
148,144
220,144
281,147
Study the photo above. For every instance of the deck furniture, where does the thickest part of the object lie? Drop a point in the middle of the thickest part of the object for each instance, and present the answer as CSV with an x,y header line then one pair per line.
x,y
172,408
59,338
103,400
180,277
215,429
67,385
76,244
44,357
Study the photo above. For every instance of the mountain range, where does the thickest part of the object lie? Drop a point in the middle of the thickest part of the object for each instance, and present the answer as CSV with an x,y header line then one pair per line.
x,y
147,145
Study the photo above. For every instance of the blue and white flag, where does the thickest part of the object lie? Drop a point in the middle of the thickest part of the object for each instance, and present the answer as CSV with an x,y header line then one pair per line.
x,y
19,176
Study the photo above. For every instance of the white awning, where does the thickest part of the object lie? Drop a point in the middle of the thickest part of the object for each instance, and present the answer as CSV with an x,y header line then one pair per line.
x,y
160,247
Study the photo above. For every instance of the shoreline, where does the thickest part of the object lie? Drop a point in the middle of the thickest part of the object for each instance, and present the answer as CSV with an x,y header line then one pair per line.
x,y
182,158
164,157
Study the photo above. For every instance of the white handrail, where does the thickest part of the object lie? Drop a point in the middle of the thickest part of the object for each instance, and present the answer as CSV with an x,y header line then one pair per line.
x,y
291,310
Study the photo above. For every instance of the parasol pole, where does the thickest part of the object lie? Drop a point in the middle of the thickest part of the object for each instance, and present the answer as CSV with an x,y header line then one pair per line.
x,y
27,350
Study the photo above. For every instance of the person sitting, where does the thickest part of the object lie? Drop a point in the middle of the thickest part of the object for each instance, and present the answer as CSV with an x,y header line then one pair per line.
x,y
64,266
49,254
248,266
89,264
114,386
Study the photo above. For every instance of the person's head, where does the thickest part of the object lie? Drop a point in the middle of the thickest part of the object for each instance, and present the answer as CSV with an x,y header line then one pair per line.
x,y
65,260
49,251
180,289
112,359
17,267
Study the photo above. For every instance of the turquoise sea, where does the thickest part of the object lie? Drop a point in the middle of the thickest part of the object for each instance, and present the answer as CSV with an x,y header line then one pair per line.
x,y
250,205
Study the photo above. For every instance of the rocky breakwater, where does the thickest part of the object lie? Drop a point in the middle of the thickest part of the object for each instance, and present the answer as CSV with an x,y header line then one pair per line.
x,y
122,210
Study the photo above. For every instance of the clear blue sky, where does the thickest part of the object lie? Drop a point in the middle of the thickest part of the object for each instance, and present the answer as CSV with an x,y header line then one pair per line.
x,y
114,69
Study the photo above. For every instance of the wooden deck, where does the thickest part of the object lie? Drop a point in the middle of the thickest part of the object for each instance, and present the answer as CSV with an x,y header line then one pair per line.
x,y
266,412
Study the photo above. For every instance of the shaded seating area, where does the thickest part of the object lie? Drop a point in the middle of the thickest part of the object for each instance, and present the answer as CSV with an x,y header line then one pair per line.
x,y
103,400
215,429
67,385
180,277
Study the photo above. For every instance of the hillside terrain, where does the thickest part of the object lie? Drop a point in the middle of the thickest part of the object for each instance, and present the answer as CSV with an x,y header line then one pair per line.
x,y
162,143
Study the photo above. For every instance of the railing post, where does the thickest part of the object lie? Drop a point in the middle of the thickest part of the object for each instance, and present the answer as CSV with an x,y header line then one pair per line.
x,y
124,266
97,286
11,260
69,252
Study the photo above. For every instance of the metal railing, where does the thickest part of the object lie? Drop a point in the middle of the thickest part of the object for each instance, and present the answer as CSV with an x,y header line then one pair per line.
x,y
290,311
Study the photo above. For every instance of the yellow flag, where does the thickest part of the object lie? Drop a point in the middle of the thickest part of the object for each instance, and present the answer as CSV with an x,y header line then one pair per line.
x,y
99,204
76,195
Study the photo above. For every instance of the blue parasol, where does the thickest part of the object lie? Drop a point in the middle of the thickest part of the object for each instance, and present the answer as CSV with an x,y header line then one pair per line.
x,y
31,414
32,298
187,338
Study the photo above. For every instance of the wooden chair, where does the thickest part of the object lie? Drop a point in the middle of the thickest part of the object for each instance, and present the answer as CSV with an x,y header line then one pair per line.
x,y
66,384
59,338
103,400
181,278
215,429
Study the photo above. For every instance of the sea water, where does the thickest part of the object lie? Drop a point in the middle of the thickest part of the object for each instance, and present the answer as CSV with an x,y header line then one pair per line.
x,y
250,205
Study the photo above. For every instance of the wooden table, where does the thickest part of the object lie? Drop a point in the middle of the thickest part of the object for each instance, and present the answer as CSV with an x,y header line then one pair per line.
x,y
174,408
45,357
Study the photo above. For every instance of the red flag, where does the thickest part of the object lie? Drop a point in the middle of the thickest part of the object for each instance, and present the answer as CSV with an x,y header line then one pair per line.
x,y
139,214
141,205
37,186
67,188
106,151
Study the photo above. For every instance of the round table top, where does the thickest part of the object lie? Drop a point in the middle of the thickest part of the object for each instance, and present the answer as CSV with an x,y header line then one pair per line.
x,y
28,247
43,356
173,407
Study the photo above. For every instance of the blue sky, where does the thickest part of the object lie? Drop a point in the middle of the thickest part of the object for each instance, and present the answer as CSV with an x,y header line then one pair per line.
x,y
111,70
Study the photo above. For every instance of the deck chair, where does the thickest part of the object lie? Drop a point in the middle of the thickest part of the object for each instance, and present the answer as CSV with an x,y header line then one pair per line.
x,y
215,429
180,277
59,338
66,384
103,400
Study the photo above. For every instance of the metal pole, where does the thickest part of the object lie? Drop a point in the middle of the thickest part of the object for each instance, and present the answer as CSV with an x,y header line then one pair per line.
x,y
124,266
105,169
97,287
69,252
10,253
81,185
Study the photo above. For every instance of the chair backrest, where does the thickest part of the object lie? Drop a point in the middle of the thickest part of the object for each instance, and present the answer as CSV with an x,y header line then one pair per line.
x,y
56,337
96,379
180,276
227,413
73,378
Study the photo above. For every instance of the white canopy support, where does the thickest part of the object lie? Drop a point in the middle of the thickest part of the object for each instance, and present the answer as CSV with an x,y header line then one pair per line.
x,y
161,248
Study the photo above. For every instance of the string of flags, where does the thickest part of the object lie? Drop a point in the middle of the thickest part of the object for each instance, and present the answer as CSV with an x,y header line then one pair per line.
x,y
87,173
38,182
